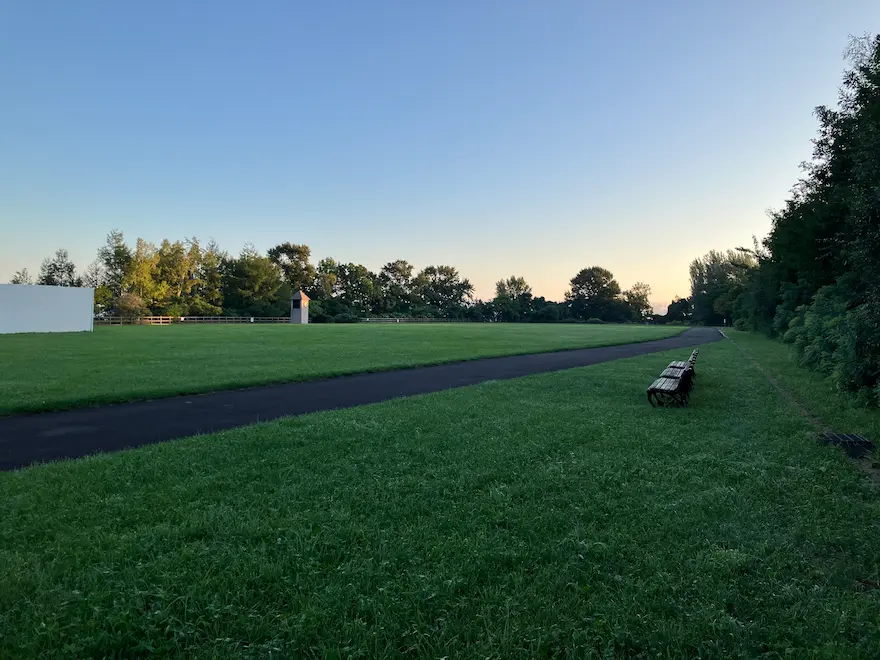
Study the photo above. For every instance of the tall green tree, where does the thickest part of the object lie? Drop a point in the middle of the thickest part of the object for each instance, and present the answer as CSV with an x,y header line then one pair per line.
x,y
638,298
140,277
357,287
594,293
116,257
815,280
293,260
396,287
678,311
326,276
717,280
441,291
513,299
513,287
95,276
59,270
207,291
254,285
176,270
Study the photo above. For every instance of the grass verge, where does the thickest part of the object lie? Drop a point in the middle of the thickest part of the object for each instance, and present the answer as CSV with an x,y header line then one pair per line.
x,y
41,372
818,395
554,515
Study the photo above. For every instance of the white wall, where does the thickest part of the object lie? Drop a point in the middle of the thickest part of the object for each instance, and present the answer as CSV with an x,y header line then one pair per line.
x,y
32,308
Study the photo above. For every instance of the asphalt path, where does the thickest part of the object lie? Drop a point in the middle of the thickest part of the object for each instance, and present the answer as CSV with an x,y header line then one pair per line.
x,y
34,438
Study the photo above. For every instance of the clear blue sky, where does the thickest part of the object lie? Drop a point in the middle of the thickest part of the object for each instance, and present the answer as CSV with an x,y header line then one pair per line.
x,y
504,137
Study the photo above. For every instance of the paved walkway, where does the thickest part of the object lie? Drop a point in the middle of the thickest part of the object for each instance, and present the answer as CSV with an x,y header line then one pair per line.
x,y
50,436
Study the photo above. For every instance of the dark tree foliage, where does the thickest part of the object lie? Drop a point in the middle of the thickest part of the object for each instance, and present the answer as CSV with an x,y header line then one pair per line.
x,y
678,311
293,260
396,288
513,299
254,286
595,294
815,280
206,295
116,257
188,278
717,280
440,291
59,271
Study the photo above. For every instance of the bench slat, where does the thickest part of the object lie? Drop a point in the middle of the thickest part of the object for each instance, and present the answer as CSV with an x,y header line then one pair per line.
x,y
665,385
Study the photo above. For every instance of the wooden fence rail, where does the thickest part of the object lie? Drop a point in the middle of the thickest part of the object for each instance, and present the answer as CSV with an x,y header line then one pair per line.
x,y
168,320
232,319
410,319
142,320
186,320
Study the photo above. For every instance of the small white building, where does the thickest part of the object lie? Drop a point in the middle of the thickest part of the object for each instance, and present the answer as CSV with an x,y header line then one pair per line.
x,y
299,308
38,308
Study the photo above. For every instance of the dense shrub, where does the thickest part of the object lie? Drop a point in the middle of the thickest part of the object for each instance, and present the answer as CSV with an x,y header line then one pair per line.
x,y
817,278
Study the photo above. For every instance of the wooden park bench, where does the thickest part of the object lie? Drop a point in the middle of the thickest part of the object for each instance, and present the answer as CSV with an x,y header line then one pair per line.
x,y
673,387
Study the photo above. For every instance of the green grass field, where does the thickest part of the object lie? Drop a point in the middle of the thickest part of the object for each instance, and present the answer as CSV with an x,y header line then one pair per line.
x,y
550,516
816,394
54,371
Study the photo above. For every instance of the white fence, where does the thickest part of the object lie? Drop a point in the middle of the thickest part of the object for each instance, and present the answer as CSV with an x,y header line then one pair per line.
x,y
34,308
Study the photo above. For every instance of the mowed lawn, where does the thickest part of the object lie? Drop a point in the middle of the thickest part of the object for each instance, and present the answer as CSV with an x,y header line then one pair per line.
x,y
551,516
53,371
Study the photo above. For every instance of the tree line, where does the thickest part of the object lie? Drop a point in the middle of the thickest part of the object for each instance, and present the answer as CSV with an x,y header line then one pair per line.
x,y
814,281
188,278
